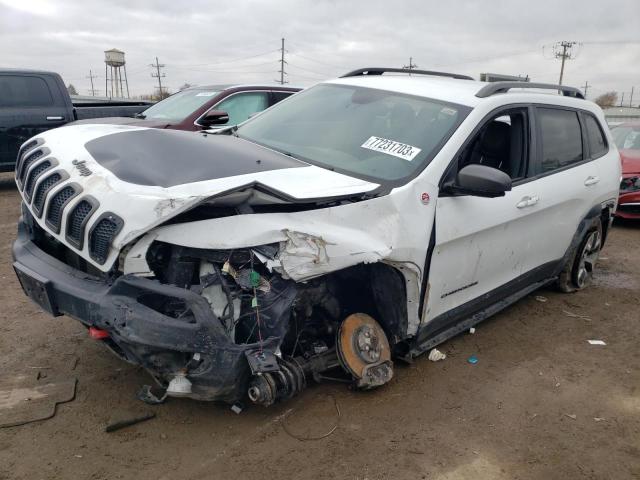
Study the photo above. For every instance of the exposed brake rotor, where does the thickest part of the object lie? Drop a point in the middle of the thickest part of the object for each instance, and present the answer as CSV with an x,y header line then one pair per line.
x,y
363,350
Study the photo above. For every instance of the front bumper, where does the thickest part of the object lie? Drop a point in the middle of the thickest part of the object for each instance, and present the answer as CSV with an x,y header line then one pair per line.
x,y
629,205
162,344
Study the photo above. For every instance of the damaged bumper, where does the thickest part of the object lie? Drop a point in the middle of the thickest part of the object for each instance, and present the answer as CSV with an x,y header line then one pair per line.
x,y
128,310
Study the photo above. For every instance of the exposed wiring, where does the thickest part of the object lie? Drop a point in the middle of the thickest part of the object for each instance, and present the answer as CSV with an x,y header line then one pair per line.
x,y
319,437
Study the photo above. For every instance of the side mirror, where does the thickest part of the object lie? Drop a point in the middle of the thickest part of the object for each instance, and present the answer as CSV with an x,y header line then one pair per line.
x,y
214,117
481,181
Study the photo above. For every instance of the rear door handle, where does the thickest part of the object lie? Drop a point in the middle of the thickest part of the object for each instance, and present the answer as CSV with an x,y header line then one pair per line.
x,y
55,117
591,180
528,201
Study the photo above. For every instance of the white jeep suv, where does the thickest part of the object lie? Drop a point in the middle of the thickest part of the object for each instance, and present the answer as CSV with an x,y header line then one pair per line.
x,y
367,218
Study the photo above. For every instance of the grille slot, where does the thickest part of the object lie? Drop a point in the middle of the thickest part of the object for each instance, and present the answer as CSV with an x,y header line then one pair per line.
x,y
28,161
57,204
33,176
24,149
42,190
102,235
77,220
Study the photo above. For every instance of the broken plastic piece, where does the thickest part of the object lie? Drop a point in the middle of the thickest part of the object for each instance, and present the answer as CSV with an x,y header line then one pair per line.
x,y
112,427
472,359
147,396
596,342
436,355
98,333
237,408
472,330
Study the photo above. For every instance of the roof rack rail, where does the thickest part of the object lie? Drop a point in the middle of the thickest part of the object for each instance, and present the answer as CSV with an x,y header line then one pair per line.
x,y
381,70
503,87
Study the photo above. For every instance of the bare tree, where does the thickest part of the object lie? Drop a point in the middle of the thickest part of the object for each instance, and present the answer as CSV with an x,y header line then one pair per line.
x,y
608,99
185,86
71,89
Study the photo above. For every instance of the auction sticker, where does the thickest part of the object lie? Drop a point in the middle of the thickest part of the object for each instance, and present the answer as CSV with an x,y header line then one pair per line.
x,y
397,149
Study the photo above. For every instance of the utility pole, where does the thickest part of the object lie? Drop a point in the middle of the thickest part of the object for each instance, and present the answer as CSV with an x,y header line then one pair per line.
x,y
585,87
411,65
158,75
563,55
622,99
631,99
91,77
282,62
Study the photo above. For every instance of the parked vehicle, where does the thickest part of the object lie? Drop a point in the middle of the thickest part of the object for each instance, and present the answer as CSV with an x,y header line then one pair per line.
x,y
627,139
207,108
368,217
34,101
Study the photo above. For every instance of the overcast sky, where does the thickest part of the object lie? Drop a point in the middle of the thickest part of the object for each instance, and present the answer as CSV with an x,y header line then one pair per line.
x,y
206,42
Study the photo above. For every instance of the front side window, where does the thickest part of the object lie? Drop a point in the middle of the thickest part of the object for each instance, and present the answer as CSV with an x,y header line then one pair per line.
x,y
368,133
597,142
242,105
24,91
180,105
502,143
561,138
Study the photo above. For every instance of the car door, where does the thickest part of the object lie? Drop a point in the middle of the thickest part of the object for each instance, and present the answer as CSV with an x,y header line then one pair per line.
x,y
486,248
240,106
29,104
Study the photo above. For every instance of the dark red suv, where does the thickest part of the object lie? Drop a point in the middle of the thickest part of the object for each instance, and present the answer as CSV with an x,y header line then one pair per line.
x,y
627,138
199,108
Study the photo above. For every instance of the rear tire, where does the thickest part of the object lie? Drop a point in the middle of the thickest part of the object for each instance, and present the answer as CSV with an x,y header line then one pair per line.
x,y
578,271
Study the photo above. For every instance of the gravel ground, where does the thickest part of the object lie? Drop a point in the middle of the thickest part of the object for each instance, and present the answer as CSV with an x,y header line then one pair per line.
x,y
526,410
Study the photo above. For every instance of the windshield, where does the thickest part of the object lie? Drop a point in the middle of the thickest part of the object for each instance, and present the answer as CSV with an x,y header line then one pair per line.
x,y
626,138
361,131
180,105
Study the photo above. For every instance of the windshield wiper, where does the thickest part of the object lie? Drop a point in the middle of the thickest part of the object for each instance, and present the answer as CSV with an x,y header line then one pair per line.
x,y
140,115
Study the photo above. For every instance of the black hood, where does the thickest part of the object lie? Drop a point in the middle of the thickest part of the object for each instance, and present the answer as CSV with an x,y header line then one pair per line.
x,y
168,158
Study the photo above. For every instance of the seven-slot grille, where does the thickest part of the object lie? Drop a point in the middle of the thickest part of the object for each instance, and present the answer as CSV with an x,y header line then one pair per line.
x,y
38,186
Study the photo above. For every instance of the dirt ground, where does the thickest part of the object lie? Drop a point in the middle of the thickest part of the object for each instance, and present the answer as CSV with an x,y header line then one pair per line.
x,y
526,410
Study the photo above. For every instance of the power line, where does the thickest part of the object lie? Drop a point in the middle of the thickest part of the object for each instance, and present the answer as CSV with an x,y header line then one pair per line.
x,y
322,74
411,65
233,60
91,77
563,52
158,75
282,62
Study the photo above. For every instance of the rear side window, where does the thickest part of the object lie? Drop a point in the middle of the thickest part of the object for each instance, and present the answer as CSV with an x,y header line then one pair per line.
x,y
561,138
597,143
24,91
278,96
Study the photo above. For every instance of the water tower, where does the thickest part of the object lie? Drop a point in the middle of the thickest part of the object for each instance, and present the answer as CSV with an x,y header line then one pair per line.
x,y
114,65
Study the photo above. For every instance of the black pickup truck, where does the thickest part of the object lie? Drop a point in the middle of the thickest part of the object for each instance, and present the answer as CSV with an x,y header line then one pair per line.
x,y
33,101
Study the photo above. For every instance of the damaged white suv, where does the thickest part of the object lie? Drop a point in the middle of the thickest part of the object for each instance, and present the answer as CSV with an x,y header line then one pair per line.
x,y
367,218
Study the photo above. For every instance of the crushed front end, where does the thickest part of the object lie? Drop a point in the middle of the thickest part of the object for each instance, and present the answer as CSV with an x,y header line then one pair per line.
x,y
215,324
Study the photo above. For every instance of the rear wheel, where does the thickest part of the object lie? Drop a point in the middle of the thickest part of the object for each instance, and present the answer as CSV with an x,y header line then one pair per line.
x,y
578,272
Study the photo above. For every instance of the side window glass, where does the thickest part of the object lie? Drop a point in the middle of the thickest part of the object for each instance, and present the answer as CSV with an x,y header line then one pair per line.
x,y
279,96
24,91
597,143
242,105
501,143
561,138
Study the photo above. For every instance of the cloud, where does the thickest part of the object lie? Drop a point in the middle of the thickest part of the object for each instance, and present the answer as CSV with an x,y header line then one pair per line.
x,y
205,42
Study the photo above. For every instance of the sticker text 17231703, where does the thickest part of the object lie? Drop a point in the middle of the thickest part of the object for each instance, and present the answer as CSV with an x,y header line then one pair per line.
x,y
397,149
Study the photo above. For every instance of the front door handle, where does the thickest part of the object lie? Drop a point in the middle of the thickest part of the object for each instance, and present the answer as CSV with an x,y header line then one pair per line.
x,y
528,201
53,118
591,180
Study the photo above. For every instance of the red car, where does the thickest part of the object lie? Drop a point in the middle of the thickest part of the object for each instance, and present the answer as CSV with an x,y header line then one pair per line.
x,y
205,108
627,138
